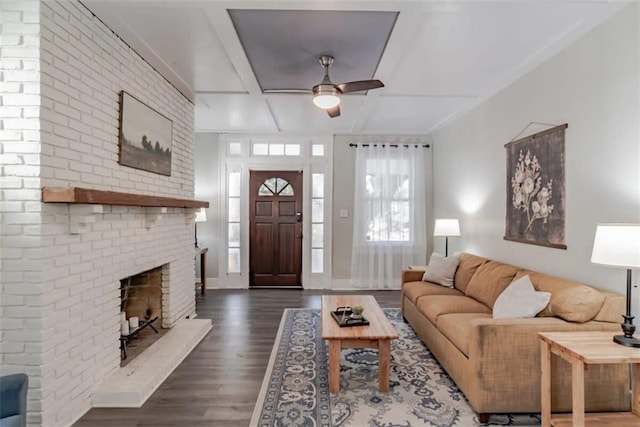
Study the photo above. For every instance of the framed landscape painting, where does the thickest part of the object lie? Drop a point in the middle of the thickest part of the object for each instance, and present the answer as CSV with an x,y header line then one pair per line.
x,y
145,137
535,189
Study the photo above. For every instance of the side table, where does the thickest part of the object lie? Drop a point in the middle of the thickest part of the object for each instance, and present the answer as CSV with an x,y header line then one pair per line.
x,y
202,252
581,349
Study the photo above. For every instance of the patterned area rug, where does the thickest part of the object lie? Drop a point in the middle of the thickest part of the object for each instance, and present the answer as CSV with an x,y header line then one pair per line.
x,y
295,390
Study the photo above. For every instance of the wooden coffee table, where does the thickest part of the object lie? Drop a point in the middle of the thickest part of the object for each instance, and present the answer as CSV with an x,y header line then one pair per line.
x,y
378,334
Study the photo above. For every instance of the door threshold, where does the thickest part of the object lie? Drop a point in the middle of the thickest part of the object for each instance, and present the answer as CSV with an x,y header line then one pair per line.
x,y
294,287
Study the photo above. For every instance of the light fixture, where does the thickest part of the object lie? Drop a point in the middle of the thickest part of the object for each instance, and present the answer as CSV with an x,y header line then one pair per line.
x,y
618,246
201,216
326,96
446,228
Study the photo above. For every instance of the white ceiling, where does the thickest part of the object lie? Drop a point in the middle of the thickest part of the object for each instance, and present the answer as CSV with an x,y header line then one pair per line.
x,y
442,58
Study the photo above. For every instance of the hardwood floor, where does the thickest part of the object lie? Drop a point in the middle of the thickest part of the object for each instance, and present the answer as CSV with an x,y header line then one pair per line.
x,y
218,383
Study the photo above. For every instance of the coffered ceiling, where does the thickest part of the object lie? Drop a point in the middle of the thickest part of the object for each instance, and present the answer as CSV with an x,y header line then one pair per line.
x,y
437,59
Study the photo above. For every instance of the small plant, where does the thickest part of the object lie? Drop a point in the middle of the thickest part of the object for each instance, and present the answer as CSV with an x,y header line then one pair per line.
x,y
357,310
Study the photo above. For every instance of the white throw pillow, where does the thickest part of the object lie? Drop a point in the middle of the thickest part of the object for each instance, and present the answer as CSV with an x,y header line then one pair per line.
x,y
441,270
520,301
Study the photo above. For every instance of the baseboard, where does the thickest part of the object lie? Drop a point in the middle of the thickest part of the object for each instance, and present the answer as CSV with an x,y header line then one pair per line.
x,y
334,284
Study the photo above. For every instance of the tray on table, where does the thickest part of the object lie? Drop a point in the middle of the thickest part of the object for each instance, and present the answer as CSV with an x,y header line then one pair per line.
x,y
343,316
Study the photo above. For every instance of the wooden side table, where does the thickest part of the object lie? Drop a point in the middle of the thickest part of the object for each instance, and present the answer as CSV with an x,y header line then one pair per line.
x,y
580,349
202,252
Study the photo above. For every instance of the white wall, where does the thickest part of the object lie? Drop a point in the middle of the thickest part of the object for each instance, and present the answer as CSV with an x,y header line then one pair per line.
x,y
594,86
207,187
61,264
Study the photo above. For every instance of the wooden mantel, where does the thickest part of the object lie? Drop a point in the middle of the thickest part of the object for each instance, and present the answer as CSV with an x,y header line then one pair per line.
x,y
78,195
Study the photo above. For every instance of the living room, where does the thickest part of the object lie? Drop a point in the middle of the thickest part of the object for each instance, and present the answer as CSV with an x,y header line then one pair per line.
x,y
57,255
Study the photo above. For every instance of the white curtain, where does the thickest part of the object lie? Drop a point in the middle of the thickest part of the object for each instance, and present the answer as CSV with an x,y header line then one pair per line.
x,y
389,220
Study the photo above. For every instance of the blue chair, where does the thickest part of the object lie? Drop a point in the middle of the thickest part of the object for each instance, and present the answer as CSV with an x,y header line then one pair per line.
x,y
13,400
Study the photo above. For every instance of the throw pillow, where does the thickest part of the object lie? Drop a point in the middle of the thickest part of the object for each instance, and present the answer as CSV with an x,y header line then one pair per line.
x,y
441,270
520,300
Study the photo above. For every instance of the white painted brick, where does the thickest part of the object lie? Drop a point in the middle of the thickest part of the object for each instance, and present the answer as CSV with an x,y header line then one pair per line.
x,y
19,52
11,64
21,170
12,300
12,324
12,348
10,87
20,99
92,53
22,194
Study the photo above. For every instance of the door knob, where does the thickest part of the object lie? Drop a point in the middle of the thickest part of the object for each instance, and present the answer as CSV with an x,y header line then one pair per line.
x,y
299,216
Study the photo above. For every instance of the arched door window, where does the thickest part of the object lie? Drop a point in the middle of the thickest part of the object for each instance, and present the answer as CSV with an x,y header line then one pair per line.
x,y
275,187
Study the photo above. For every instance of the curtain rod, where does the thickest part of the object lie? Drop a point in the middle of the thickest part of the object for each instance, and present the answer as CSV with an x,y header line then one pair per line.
x,y
390,145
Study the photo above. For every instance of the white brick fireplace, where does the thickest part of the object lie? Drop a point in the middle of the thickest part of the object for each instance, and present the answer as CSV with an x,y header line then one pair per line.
x,y
61,263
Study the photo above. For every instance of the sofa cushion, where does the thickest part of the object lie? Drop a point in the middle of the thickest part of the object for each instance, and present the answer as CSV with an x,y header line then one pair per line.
x,y
414,290
466,269
612,308
520,300
441,269
490,280
432,306
457,328
571,301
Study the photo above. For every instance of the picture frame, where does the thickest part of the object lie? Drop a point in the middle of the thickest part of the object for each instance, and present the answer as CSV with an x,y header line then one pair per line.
x,y
145,137
535,187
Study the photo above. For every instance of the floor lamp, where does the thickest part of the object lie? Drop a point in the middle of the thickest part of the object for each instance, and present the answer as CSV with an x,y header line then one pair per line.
x,y
201,216
446,228
618,246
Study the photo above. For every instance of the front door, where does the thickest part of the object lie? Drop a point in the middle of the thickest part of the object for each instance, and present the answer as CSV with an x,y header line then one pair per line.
x,y
275,223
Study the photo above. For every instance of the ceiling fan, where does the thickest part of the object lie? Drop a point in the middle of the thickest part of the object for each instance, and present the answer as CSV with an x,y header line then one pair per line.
x,y
326,95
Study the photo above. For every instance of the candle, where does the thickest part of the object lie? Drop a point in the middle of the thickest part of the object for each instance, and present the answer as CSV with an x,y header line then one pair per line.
x,y
134,323
124,328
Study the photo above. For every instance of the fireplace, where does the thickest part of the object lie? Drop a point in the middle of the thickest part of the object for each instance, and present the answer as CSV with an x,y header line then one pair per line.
x,y
140,312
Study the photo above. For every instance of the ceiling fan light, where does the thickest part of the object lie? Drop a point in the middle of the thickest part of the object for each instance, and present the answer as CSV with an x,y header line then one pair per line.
x,y
326,96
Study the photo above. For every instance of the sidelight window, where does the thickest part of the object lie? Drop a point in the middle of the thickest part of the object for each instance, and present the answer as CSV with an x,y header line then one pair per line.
x,y
233,222
317,223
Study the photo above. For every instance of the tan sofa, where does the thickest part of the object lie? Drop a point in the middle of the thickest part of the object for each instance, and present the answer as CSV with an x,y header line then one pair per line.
x,y
496,362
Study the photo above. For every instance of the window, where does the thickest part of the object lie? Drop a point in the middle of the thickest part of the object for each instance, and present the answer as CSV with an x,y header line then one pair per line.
x,y
317,150
389,218
276,149
387,200
235,148
275,186
317,223
233,222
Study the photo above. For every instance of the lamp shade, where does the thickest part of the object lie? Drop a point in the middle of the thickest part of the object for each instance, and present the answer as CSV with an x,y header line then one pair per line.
x,y
201,215
326,96
446,227
617,245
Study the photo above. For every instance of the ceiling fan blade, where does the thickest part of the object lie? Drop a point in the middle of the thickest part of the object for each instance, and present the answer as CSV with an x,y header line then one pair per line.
x,y
359,85
334,112
286,91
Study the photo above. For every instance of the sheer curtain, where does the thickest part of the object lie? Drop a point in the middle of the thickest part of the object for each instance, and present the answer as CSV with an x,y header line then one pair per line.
x,y
389,220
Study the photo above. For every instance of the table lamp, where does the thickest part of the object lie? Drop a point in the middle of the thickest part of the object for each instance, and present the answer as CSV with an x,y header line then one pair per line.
x,y
201,216
446,228
618,246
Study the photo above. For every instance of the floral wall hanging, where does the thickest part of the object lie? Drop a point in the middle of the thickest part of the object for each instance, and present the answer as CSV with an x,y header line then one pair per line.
x,y
535,189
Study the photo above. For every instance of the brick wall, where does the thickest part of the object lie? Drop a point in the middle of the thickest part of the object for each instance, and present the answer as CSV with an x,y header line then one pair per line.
x,y
61,264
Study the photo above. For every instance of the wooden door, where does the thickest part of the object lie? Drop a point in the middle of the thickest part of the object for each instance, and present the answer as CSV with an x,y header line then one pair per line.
x,y
275,224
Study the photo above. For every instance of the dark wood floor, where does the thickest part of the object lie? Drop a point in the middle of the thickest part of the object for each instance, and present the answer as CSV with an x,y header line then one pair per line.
x,y
218,383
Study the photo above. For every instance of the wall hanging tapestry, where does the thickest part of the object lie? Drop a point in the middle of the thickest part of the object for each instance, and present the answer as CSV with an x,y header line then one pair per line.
x,y
145,137
535,189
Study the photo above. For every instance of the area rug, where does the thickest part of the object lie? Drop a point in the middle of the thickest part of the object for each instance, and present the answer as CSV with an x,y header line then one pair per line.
x,y
295,390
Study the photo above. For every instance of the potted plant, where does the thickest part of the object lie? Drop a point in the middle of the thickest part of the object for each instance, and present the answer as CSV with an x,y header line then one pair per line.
x,y
356,312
